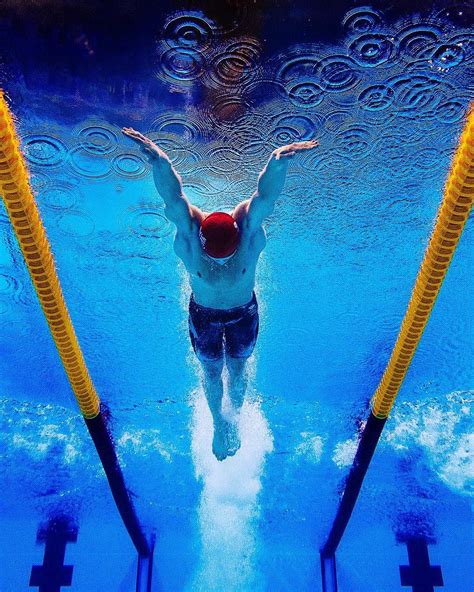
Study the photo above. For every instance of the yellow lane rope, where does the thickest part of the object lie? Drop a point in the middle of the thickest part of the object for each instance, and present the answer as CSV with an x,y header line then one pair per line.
x,y
23,212
452,216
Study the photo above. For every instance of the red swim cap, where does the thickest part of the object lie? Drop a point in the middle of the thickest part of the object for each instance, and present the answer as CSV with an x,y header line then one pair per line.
x,y
219,235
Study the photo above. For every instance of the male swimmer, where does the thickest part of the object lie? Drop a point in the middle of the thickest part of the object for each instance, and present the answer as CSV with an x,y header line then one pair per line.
x,y
220,252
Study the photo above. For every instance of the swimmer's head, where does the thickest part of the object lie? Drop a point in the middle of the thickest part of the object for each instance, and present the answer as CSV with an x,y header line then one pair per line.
x,y
219,236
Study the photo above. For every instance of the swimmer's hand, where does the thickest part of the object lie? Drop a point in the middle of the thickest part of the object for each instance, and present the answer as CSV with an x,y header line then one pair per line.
x,y
290,150
154,152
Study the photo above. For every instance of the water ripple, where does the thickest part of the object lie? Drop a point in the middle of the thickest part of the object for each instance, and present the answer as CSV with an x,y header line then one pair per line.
x,y
226,109
415,40
89,165
452,111
235,65
223,160
60,196
193,31
76,224
293,128
145,221
10,286
354,142
299,68
446,56
416,92
130,165
180,65
337,73
185,129
361,20
305,93
44,150
98,139
372,50
377,97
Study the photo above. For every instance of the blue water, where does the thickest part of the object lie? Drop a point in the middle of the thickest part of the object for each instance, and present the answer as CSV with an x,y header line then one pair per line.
x,y
385,92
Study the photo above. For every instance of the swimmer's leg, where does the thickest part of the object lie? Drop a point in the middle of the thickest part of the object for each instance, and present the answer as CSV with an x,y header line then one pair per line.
x,y
237,380
213,389
237,387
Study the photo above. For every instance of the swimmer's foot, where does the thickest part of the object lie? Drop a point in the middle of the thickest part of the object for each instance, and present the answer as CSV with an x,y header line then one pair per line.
x,y
226,440
233,440
220,442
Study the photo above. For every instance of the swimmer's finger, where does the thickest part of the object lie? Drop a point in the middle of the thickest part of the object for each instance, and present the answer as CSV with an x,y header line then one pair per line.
x,y
134,135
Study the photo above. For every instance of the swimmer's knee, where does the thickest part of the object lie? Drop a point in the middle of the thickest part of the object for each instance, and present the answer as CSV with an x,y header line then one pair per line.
x,y
236,364
212,367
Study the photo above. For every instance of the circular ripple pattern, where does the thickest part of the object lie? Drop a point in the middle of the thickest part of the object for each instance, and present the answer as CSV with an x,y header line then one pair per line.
x,y
354,142
447,56
227,109
452,111
129,165
294,128
76,224
377,97
89,165
39,181
224,160
415,40
193,31
98,139
416,92
181,65
252,143
372,50
236,65
305,94
298,68
146,222
9,285
337,73
361,20
334,120
59,196
44,150
187,130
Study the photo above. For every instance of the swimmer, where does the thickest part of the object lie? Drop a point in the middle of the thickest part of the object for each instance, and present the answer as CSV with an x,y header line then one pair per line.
x,y
220,251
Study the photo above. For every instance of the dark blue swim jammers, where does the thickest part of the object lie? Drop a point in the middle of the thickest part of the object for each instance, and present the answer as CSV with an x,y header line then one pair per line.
x,y
211,328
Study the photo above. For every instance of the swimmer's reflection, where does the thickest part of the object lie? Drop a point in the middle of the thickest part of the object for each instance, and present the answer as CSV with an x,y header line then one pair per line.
x,y
220,252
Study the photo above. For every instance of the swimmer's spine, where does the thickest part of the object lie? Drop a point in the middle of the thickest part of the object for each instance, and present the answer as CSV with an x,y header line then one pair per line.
x,y
451,219
25,218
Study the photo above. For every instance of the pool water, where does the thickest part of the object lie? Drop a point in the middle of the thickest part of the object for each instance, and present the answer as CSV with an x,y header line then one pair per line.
x,y
385,91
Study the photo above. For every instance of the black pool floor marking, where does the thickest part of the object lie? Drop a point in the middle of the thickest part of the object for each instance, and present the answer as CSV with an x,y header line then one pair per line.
x,y
53,574
420,575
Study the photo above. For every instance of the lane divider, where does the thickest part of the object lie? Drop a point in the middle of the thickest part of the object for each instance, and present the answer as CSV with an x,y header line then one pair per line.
x,y
450,221
25,218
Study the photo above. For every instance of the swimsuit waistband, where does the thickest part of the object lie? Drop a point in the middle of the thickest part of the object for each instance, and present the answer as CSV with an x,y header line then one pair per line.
x,y
236,310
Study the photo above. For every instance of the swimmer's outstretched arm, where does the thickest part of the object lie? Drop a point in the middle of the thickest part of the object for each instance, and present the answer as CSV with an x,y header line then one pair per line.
x,y
168,183
271,181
